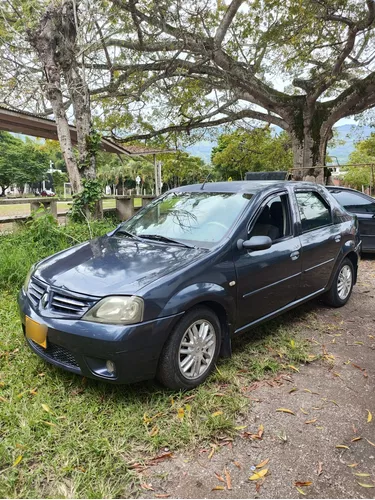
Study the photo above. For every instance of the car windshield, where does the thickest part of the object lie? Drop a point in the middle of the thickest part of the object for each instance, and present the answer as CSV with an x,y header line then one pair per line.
x,y
196,218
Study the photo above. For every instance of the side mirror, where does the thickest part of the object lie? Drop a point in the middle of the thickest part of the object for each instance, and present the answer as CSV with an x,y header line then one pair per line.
x,y
255,243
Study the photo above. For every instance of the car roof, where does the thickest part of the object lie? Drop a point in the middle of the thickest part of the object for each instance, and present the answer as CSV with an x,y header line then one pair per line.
x,y
342,188
332,189
251,187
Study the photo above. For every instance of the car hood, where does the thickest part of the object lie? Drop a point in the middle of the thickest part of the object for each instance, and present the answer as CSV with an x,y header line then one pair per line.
x,y
112,264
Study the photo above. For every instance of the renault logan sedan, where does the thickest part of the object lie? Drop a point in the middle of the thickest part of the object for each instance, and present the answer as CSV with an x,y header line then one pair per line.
x,y
163,294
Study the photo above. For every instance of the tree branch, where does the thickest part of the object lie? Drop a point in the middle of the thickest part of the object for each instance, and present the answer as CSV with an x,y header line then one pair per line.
x,y
162,46
202,122
226,21
357,98
353,30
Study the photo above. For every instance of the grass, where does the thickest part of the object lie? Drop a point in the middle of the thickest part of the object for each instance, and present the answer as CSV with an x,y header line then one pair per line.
x,y
78,437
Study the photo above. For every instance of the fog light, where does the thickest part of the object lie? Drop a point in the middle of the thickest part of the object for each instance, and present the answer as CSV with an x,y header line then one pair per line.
x,y
111,367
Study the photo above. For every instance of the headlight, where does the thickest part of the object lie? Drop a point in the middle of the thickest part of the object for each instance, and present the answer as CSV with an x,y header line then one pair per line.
x,y
28,277
117,310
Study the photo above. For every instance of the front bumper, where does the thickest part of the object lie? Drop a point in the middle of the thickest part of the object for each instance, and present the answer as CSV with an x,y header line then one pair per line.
x,y
83,347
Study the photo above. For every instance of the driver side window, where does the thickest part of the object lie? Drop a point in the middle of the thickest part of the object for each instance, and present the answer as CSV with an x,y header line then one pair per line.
x,y
274,219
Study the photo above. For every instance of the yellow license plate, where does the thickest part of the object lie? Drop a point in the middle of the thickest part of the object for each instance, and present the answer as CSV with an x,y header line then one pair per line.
x,y
36,332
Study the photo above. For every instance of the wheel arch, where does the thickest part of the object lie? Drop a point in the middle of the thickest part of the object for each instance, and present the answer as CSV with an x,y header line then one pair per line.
x,y
353,257
217,304
222,314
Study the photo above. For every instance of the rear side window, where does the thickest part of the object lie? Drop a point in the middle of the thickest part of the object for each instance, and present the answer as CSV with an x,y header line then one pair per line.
x,y
354,202
314,211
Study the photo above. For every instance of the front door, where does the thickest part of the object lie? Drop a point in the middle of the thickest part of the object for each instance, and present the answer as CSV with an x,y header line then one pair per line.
x,y
268,280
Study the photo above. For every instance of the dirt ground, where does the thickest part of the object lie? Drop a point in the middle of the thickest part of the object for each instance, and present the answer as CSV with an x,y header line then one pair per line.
x,y
329,440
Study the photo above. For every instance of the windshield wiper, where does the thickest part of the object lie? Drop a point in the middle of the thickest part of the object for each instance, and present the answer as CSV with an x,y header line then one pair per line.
x,y
128,233
164,239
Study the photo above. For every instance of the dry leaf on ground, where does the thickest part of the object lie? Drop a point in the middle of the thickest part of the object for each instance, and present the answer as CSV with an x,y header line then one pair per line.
x,y
364,485
258,475
263,463
285,410
228,479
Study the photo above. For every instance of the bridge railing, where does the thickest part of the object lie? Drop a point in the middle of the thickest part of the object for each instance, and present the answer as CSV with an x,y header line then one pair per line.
x,y
124,209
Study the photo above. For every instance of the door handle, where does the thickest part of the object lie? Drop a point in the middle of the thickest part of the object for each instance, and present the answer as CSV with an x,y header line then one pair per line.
x,y
338,238
294,255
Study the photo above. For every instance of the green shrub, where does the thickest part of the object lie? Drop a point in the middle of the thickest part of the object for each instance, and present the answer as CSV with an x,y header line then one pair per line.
x,y
39,238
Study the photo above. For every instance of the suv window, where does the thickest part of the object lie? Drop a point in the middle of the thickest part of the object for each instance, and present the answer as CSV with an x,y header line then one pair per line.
x,y
274,219
354,202
314,211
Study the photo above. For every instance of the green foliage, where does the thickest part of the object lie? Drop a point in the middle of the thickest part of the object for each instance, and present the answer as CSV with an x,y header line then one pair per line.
x,y
364,153
244,151
37,239
182,168
58,181
356,177
114,171
20,161
52,150
85,203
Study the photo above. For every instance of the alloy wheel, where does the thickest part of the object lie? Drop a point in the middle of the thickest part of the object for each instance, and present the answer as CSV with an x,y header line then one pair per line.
x,y
344,282
197,349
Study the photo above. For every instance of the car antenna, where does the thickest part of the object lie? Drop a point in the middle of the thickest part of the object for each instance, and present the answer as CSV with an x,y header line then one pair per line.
x,y
206,179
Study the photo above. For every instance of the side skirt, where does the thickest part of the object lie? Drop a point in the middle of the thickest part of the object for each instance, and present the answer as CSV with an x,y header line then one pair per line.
x,y
279,311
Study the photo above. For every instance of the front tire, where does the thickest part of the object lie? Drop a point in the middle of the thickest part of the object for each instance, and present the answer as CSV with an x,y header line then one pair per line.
x,y
342,286
191,351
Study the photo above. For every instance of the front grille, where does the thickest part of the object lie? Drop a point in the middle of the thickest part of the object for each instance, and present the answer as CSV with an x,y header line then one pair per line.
x,y
63,303
56,353
36,291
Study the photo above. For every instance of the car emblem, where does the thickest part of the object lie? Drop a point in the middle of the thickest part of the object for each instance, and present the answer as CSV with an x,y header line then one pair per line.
x,y
44,300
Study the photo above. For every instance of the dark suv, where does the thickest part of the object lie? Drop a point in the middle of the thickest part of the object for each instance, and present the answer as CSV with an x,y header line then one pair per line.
x,y
164,293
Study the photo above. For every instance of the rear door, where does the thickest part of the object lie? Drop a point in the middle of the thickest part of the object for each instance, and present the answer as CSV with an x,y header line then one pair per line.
x,y
363,207
320,240
268,279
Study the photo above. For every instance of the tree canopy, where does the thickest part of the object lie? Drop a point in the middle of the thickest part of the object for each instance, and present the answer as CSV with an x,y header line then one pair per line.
x,y
141,68
182,168
364,153
21,162
257,150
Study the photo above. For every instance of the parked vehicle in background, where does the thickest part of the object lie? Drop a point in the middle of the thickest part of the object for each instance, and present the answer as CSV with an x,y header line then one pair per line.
x,y
47,192
363,206
164,293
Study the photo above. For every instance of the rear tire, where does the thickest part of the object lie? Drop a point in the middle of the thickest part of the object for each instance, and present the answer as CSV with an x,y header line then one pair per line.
x,y
191,352
342,285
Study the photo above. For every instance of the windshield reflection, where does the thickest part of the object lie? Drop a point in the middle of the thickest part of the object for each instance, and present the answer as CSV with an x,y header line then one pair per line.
x,y
198,218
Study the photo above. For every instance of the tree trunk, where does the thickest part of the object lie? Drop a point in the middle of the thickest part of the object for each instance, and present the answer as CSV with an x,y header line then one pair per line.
x,y
81,103
63,133
55,43
310,136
